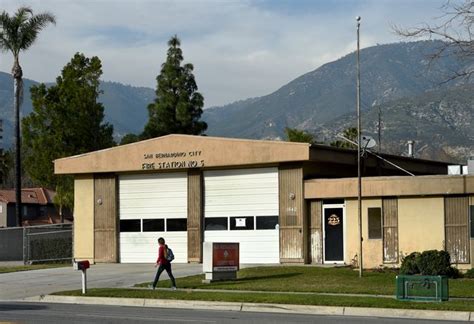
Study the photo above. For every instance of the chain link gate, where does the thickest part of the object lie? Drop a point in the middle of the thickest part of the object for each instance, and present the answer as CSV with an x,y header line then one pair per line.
x,y
47,243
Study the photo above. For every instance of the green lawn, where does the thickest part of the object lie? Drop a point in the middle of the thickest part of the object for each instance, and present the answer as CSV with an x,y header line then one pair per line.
x,y
313,279
8,269
347,301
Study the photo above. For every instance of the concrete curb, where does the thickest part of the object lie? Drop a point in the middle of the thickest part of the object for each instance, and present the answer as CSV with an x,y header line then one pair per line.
x,y
264,308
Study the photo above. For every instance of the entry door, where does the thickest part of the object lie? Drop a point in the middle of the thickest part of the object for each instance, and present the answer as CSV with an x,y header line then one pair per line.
x,y
333,217
105,218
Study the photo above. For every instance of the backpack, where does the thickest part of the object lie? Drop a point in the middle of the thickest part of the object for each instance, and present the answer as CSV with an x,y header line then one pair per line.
x,y
169,254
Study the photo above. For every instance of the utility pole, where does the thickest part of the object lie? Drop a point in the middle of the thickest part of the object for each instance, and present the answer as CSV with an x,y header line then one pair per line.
x,y
380,130
359,179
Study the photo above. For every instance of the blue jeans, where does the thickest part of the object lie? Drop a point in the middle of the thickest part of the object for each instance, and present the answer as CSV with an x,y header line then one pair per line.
x,y
161,268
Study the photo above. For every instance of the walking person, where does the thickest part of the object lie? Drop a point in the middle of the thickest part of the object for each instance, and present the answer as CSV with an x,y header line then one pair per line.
x,y
165,256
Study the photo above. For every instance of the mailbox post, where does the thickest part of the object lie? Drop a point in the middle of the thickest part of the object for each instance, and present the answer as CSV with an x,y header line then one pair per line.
x,y
221,261
83,266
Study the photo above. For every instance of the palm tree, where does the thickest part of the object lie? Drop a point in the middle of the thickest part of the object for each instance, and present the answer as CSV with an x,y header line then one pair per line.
x,y
18,33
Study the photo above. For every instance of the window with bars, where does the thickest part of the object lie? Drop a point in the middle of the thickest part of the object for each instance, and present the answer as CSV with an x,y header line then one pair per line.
x,y
456,220
390,230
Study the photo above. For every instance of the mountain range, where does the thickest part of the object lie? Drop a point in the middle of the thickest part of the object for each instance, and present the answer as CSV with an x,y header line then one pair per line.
x,y
416,100
125,105
439,121
399,80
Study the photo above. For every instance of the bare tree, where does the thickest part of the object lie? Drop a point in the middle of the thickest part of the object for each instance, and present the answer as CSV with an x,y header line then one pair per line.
x,y
455,28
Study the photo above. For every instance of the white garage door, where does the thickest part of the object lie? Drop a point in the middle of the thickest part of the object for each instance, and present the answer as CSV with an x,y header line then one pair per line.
x,y
242,206
150,206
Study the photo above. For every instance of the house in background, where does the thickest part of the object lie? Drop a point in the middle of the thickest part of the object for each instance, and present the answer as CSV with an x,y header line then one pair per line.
x,y
37,208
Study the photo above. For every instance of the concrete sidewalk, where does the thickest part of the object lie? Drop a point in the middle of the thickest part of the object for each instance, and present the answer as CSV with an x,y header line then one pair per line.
x,y
22,284
11,263
264,308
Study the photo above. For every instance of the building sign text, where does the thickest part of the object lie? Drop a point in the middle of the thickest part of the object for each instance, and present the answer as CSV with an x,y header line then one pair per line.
x,y
178,160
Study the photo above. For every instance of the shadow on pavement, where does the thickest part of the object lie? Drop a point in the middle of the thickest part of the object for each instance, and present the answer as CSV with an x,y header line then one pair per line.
x,y
5,307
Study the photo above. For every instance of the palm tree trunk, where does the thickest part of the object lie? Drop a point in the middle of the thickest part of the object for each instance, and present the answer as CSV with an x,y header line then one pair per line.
x,y
17,74
61,216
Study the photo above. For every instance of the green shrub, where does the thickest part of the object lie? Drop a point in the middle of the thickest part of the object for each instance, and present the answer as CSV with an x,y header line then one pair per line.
x,y
429,263
469,273
434,263
454,273
409,264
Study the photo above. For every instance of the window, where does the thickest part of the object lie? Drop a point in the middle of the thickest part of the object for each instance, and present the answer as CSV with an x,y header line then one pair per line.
x,y
375,223
472,220
267,222
130,225
176,225
215,223
153,225
456,228
241,223
390,229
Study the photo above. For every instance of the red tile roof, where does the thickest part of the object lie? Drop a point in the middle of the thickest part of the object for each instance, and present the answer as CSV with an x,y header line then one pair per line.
x,y
41,196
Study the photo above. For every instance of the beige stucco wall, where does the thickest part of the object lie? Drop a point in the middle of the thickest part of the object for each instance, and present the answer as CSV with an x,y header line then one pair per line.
x,y
371,249
183,152
420,228
420,224
84,217
432,185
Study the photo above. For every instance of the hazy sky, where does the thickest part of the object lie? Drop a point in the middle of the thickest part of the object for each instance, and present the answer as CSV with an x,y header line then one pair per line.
x,y
239,49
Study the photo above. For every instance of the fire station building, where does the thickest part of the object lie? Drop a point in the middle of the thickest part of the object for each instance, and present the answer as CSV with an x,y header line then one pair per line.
x,y
283,202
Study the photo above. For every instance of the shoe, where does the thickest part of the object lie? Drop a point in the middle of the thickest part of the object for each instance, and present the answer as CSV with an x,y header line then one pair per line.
x,y
173,288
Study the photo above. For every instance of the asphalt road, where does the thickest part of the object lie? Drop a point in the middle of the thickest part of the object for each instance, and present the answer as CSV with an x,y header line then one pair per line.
x,y
67,313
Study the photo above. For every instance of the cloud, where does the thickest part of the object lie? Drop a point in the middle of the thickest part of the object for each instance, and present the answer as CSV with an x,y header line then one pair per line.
x,y
240,49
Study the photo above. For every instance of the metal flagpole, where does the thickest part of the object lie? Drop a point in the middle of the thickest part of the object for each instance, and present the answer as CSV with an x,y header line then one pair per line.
x,y
359,180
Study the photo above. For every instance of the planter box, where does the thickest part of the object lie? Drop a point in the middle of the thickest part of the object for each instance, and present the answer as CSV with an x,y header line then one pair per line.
x,y
422,288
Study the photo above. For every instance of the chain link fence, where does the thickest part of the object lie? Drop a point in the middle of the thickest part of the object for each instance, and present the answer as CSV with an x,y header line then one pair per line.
x,y
47,243
37,244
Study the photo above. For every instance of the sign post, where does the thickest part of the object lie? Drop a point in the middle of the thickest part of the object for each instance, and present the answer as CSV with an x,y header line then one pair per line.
x,y
221,261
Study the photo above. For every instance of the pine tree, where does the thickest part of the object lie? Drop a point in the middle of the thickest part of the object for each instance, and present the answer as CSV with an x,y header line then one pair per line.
x,y
66,120
178,106
129,138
